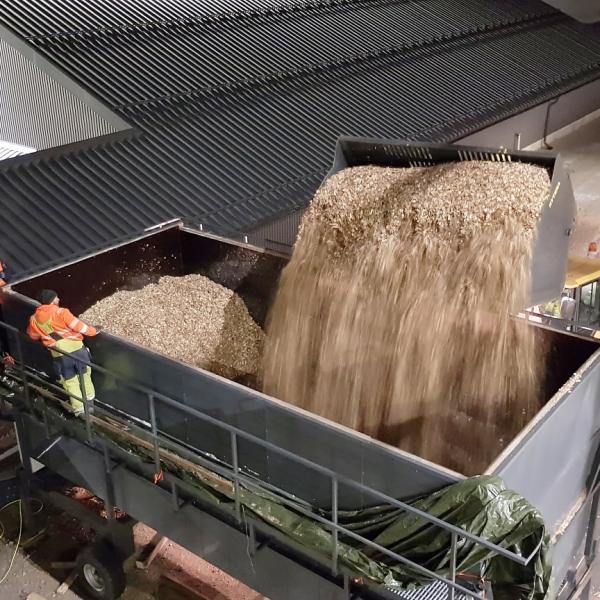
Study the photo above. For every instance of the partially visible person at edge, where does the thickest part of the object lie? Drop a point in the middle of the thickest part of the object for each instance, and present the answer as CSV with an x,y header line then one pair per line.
x,y
7,359
4,279
62,333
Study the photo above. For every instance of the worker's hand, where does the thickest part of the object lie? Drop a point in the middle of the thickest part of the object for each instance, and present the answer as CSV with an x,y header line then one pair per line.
x,y
7,359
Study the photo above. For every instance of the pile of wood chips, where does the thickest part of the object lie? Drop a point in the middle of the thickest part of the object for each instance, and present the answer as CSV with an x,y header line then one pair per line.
x,y
190,319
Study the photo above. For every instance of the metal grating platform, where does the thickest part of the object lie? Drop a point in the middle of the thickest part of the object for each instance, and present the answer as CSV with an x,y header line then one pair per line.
x,y
434,591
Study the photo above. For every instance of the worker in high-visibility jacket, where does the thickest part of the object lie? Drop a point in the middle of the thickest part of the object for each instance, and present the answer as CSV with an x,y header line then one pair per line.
x,y
58,329
3,275
5,357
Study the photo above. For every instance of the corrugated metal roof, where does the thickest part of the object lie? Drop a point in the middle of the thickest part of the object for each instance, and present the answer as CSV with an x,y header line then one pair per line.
x,y
237,105
37,111
8,150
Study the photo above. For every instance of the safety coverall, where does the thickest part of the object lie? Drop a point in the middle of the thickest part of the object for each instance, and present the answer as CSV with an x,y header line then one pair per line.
x,y
58,329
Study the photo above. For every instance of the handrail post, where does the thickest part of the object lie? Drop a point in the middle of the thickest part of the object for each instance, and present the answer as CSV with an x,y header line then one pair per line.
x,y
46,419
334,519
154,426
236,481
22,369
174,496
453,548
86,408
110,486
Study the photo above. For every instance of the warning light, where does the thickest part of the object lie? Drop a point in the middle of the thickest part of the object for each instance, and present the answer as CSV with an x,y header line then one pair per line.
x,y
592,248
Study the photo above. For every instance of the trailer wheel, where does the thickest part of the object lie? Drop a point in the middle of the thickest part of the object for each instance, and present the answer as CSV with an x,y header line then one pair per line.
x,y
100,572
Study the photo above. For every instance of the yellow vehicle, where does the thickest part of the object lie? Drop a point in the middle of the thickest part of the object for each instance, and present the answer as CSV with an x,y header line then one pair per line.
x,y
578,309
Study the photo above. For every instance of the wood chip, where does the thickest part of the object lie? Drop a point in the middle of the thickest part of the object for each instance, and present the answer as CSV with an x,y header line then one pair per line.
x,y
190,319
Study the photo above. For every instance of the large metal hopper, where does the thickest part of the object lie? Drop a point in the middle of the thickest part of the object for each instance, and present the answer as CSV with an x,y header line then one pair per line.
x,y
549,261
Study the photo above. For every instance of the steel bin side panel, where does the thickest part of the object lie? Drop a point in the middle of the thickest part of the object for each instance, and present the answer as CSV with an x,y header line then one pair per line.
x,y
552,464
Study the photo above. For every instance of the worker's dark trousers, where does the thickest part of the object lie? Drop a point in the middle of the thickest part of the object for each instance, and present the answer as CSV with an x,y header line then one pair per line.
x,y
68,371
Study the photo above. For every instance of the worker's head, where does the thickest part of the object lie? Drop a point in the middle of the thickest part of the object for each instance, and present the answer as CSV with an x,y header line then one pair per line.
x,y
48,297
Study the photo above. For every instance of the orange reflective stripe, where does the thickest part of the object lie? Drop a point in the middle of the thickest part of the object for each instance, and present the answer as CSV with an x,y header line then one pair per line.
x,y
78,325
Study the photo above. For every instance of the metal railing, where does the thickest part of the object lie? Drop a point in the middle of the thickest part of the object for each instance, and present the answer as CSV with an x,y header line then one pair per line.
x,y
238,477
557,323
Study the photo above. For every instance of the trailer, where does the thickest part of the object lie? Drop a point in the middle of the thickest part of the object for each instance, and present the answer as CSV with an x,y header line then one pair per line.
x,y
252,441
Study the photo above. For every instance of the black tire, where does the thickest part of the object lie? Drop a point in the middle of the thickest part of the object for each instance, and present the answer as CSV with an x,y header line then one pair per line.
x,y
100,572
